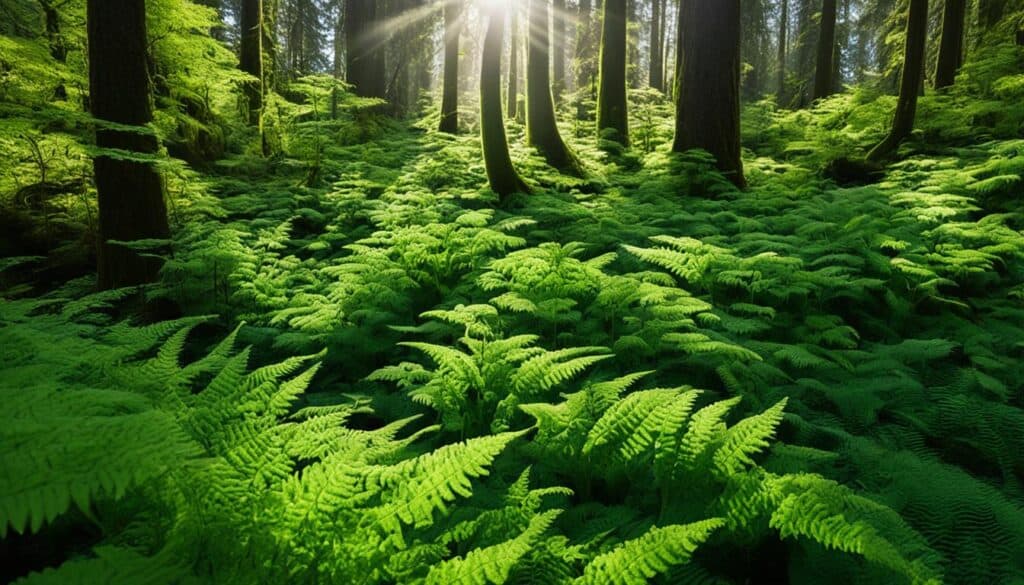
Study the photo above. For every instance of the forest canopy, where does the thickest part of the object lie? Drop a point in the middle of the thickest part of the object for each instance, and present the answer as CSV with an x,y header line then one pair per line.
x,y
512,291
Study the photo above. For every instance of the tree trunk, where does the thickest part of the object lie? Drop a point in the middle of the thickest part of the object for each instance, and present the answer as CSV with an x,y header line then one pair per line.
x,y
130,193
450,91
951,47
558,24
612,116
910,81
780,98
365,59
633,44
269,41
990,12
654,74
708,108
503,178
584,44
251,56
512,109
541,126
823,76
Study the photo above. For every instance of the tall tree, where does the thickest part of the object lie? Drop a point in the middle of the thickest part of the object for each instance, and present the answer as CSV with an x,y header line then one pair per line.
x,y
541,126
130,193
654,74
501,175
450,89
365,58
910,81
780,98
558,23
584,44
708,108
951,47
251,56
512,110
612,114
824,80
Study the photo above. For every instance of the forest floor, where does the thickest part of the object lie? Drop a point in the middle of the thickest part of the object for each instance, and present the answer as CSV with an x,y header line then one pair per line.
x,y
888,315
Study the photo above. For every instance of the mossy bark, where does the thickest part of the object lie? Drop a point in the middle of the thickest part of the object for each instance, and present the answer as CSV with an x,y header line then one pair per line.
x,y
910,82
251,56
541,125
951,46
129,192
708,108
501,175
612,113
450,91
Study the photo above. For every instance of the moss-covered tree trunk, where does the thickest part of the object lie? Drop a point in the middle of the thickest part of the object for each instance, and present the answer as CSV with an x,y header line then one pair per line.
x,y
364,57
910,81
951,46
251,56
501,175
708,108
541,126
558,49
780,97
612,114
130,193
512,108
450,91
824,75
655,64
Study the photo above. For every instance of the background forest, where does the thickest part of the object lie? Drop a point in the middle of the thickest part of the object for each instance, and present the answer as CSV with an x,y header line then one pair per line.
x,y
512,291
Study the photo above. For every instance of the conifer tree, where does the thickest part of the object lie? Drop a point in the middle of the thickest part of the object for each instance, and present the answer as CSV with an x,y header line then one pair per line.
x,y
251,56
450,91
910,81
951,45
612,113
541,125
502,176
824,69
130,193
708,108
512,110
365,59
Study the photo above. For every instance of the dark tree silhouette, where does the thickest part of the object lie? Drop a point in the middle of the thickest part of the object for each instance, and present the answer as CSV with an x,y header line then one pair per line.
x,y
130,193
708,108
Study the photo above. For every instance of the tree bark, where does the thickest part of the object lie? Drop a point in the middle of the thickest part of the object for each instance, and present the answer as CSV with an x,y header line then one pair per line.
x,y
780,98
990,12
541,125
910,81
450,91
824,80
365,59
501,175
612,115
130,193
512,109
951,46
584,44
251,56
654,74
559,33
708,108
